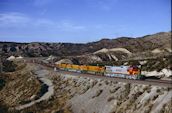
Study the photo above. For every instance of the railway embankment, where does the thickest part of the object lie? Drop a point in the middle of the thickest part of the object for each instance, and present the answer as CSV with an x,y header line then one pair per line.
x,y
106,96
83,94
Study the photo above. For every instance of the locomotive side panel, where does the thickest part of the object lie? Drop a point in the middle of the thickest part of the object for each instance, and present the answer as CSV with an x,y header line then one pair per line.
x,y
127,72
83,67
117,69
68,66
75,68
93,68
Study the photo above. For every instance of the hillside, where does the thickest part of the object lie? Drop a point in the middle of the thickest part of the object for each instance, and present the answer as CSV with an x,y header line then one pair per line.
x,y
121,48
23,93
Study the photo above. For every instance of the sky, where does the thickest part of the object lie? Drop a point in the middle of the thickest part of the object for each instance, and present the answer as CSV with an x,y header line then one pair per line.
x,y
81,21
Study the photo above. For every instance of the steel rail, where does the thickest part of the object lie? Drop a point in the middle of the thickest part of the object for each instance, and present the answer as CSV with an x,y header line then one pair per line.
x,y
154,82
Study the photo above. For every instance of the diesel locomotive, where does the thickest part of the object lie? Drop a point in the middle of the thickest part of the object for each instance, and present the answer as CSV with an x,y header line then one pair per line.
x,y
127,72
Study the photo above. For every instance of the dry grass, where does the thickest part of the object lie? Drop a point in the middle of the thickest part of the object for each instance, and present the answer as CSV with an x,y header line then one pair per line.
x,y
98,93
57,102
20,86
100,84
155,97
111,98
84,90
126,96
147,89
114,90
107,82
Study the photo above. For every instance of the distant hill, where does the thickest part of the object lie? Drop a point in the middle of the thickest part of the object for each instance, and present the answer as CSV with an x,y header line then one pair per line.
x,y
121,48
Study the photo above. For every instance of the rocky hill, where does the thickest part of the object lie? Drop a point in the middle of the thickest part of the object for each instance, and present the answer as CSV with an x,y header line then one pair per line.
x,y
121,48
23,91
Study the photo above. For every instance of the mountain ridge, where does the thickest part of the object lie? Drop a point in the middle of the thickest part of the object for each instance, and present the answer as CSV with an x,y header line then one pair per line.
x,y
139,47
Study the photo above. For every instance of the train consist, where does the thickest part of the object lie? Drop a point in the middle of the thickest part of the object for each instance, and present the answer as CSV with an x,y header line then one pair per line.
x,y
128,72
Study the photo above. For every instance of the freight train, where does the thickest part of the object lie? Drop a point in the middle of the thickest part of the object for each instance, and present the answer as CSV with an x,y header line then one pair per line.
x,y
128,72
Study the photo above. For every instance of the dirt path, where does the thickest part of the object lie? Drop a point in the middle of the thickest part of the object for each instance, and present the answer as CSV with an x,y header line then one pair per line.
x,y
41,75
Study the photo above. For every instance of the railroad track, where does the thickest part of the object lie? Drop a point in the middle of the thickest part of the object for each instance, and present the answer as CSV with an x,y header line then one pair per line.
x,y
160,81
154,82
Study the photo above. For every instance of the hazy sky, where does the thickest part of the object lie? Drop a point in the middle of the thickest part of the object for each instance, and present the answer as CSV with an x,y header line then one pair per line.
x,y
81,21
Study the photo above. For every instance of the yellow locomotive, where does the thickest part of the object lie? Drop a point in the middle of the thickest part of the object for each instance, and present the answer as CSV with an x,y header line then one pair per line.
x,y
128,72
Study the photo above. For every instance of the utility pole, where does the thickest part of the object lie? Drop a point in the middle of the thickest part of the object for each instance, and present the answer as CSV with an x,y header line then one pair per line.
x,y
1,65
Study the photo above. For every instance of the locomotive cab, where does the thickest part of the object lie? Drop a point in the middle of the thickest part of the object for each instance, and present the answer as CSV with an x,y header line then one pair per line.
x,y
133,70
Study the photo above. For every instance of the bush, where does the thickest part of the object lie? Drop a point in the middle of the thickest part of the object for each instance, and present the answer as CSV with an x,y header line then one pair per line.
x,y
25,102
43,90
111,98
3,108
9,66
3,79
114,90
30,54
2,83
12,49
84,90
155,97
4,48
98,93
134,63
157,64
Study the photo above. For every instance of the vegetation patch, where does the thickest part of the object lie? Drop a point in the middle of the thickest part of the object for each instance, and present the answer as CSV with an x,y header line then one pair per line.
x,y
2,80
97,93
111,98
25,102
9,66
3,108
43,90
114,90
